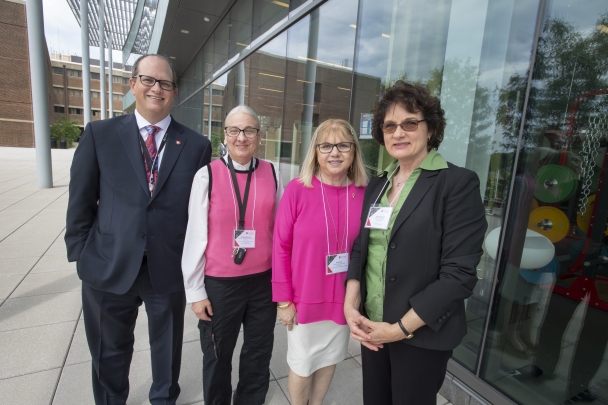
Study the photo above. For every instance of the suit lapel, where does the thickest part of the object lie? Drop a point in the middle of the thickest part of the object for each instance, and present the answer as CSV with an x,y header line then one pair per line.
x,y
174,146
422,185
129,136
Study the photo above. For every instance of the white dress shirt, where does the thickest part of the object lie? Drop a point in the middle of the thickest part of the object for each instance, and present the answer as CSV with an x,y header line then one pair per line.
x,y
195,244
158,136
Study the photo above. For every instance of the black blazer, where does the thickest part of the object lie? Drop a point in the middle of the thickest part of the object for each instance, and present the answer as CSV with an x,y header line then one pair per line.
x,y
433,251
111,218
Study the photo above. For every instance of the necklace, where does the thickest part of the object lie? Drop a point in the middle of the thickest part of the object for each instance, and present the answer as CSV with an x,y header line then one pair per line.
x,y
399,183
340,243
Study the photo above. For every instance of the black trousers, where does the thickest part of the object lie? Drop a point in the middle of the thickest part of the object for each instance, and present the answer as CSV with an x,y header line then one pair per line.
x,y
590,347
402,374
109,321
236,300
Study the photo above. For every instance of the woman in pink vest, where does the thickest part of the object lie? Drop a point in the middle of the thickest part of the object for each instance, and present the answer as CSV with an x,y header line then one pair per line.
x,y
316,224
227,260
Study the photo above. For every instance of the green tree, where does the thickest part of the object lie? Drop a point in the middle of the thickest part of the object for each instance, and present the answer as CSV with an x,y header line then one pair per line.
x,y
65,129
568,66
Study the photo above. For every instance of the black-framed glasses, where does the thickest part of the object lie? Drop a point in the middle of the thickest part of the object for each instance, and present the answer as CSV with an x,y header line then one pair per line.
x,y
235,131
150,81
328,147
408,125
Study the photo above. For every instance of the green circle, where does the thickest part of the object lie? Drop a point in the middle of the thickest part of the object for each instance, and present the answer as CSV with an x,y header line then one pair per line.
x,y
555,183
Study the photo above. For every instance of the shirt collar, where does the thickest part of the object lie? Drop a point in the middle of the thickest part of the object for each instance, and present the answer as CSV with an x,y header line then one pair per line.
x,y
432,161
238,166
142,122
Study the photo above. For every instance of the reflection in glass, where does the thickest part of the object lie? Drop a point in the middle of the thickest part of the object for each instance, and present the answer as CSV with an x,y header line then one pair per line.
x,y
267,13
240,26
320,50
549,335
259,82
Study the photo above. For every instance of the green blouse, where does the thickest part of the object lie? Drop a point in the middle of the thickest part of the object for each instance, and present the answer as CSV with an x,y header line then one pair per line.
x,y
375,269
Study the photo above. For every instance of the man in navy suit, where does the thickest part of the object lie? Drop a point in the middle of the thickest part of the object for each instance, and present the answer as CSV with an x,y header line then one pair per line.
x,y
127,214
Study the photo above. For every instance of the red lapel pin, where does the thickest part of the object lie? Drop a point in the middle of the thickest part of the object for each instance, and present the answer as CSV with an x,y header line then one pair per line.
x,y
178,142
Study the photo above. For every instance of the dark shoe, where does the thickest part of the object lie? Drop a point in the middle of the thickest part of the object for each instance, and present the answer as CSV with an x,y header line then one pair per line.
x,y
587,395
536,371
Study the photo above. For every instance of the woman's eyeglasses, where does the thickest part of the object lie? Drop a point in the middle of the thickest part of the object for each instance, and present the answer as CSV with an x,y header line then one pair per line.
x,y
328,147
409,126
235,131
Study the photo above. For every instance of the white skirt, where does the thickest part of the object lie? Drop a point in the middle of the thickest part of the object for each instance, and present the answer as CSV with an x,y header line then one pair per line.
x,y
313,346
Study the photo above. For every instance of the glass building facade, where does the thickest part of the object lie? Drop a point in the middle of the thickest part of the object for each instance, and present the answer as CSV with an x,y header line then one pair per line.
x,y
524,86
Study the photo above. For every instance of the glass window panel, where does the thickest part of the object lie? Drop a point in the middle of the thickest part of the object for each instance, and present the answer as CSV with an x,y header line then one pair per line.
x,y
207,61
220,44
267,13
320,51
192,113
267,71
218,112
240,26
469,59
549,331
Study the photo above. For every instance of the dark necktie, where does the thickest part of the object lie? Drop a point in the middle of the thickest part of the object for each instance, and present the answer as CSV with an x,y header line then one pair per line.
x,y
152,151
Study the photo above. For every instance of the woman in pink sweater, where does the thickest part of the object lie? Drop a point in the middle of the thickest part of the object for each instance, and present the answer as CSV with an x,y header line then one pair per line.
x,y
316,224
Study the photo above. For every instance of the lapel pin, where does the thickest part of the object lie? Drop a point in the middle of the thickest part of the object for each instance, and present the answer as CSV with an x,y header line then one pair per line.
x,y
178,142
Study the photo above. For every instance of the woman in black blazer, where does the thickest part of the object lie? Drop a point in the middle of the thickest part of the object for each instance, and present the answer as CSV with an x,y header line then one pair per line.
x,y
414,262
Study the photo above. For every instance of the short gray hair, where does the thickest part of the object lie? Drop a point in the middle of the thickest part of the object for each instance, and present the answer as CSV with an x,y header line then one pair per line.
x,y
245,110
173,73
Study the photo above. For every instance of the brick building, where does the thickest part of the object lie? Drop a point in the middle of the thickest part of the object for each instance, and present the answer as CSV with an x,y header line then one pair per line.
x,y
67,88
16,116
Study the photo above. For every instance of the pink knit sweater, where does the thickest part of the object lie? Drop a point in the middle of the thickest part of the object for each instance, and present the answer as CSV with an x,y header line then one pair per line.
x,y
300,247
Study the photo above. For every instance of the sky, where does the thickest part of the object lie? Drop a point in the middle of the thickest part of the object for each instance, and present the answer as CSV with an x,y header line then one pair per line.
x,y
63,31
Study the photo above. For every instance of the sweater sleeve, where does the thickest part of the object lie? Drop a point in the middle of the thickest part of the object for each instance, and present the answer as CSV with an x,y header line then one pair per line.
x,y
283,244
195,243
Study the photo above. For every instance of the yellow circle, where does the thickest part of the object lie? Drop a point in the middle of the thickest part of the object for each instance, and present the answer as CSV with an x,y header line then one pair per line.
x,y
583,220
550,222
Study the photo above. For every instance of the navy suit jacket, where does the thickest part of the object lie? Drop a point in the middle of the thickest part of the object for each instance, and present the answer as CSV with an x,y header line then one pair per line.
x,y
112,218
432,254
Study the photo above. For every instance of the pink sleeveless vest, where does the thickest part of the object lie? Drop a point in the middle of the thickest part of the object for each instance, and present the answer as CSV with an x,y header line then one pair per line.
x,y
223,219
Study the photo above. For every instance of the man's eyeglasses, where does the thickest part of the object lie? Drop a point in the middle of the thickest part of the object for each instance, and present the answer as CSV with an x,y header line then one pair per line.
x,y
235,131
149,81
328,147
409,126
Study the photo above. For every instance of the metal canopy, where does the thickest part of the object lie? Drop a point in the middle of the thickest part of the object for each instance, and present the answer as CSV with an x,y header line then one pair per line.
x,y
123,17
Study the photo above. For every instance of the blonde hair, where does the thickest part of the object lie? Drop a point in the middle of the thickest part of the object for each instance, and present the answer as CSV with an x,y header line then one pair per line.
x,y
310,166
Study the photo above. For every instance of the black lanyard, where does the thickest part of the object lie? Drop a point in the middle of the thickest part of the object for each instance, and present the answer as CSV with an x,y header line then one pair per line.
x,y
235,184
149,161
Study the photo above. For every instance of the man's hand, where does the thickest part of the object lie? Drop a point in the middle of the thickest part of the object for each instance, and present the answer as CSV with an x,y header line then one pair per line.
x,y
202,309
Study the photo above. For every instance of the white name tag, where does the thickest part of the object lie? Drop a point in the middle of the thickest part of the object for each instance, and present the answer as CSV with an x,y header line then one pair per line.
x,y
336,263
378,217
243,238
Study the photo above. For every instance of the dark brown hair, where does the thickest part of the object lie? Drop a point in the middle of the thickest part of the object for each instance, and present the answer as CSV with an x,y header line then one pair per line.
x,y
414,98
173,73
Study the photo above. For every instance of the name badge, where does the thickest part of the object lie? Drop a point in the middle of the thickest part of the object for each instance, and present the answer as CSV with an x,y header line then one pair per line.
x,y
336,263
243,238
378,217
